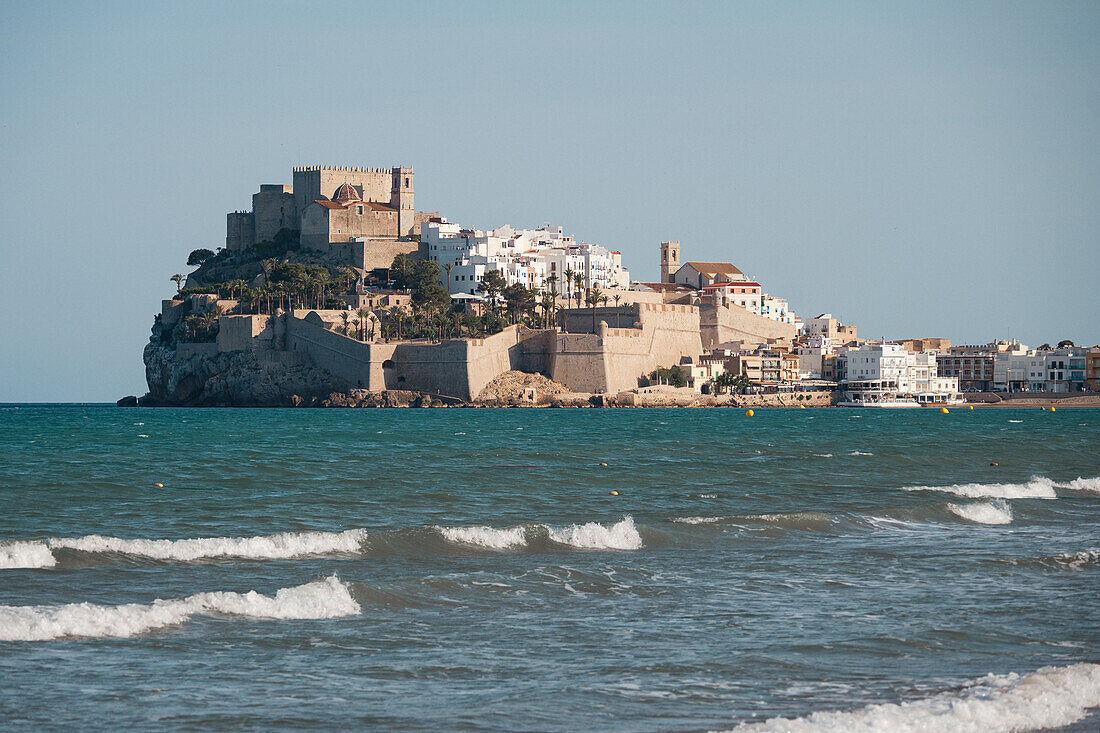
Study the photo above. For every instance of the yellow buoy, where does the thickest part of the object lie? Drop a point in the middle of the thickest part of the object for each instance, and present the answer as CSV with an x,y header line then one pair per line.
x,y
943,410
1052,409
159,486
970,407
802,407
750,413
613,493
603,464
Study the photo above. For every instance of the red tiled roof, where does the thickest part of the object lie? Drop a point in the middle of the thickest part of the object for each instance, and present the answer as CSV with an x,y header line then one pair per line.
x,y
329,204
715,268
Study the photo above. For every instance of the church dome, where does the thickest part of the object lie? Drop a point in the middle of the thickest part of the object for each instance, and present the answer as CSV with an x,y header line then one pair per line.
x,y
345,193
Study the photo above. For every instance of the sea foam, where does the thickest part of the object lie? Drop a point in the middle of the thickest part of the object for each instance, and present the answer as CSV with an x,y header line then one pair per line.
x,y
1038,487
497,539
1051,697
327,598
621,535
984,512
268,547
26,555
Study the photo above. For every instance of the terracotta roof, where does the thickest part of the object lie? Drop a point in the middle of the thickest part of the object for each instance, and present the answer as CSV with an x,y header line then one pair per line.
x,y
712,269
738,283
329,204
375,206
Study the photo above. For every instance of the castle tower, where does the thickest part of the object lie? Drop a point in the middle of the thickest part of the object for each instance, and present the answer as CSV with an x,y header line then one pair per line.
x,y
670,260
401,198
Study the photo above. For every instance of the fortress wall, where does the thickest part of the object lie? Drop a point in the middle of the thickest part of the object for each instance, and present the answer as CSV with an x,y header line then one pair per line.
x,y
245,333
579,320
375,253
721,324
311,183
357,363
459,368
614,359
273,210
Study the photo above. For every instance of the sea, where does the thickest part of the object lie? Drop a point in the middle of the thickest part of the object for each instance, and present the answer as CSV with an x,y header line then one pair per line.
x,y
549,569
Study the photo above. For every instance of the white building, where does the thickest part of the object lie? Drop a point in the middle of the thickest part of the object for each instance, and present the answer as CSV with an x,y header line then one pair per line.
x,y
776,309
743,294
889,374
528,257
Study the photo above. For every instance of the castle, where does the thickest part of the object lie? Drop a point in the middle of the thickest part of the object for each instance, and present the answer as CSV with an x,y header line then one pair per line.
x,y
334,208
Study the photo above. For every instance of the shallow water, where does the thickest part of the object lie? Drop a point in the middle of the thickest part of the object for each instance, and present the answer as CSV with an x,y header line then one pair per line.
x,y
469,569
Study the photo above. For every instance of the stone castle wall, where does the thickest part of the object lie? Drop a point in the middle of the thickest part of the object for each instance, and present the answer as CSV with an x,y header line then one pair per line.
x,y
720,324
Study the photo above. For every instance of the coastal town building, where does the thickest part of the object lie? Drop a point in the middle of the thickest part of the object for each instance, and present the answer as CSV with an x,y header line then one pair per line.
x,y
826,326
536,258
884,373
1092,369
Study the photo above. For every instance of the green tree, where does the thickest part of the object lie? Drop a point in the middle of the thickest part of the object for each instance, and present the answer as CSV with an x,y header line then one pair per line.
x,y
1065,344
593,299
492,284
198,256
177,279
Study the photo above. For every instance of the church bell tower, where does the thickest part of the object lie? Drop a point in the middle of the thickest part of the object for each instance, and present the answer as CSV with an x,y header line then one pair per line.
x,y
670,260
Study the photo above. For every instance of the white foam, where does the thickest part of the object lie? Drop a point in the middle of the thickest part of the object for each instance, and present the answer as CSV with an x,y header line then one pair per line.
x,y
327,598
983,512
26,555
621,535
1051,697
497,539
269,547
698,520
1038,487
1077,560
1087,485
860,453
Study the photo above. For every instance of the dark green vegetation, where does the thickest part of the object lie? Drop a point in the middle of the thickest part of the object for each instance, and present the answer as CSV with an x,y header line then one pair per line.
x,y
279,275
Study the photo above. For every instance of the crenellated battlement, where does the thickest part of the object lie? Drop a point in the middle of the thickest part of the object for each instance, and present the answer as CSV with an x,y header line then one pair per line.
x,y
347,169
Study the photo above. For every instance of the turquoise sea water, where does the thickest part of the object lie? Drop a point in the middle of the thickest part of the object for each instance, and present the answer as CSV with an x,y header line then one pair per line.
x,y
470,570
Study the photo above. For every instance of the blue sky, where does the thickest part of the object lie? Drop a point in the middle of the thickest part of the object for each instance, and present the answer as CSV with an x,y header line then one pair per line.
x,y
918,169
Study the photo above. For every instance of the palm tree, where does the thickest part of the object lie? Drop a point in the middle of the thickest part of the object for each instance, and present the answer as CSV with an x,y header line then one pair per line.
x,y
345,316
362,313
593,299
579,279
372,321
355,322
177,279
448,267
570,274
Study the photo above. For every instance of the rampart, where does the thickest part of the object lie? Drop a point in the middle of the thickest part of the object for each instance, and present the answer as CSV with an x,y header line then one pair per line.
x,y
615,359
720,324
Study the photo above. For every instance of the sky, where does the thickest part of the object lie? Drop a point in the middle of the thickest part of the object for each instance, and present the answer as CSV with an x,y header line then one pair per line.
x,y
916,169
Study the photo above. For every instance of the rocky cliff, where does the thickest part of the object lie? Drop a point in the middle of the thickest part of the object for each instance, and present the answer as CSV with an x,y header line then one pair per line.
x,y
236,378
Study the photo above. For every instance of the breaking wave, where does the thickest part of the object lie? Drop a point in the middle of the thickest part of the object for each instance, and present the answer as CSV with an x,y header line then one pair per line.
x,y
985,512
1089,558
1087,485
1050,697
622,535
26,555
1039,487
268,547
327,598
497,539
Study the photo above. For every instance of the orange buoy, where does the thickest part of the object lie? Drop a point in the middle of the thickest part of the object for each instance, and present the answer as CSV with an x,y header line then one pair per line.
x,y
750,413
613,493
944,410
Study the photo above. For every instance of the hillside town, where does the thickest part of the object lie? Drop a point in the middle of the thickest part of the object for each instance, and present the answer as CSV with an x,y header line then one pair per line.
x,y
336,284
